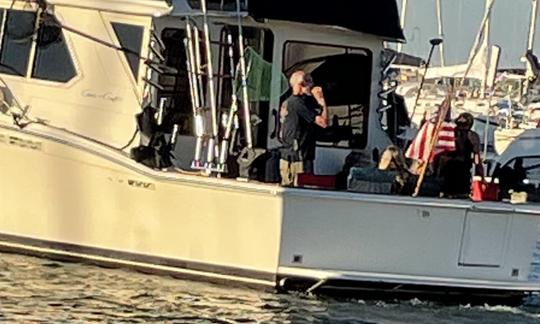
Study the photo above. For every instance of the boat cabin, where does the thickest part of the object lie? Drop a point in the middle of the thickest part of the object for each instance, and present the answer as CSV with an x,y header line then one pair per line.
x,y
343,56
90,67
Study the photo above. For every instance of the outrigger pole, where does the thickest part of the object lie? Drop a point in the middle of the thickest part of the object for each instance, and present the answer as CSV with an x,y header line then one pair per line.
x,y
195,80
190,64
243,75
233,111
211,152
248,155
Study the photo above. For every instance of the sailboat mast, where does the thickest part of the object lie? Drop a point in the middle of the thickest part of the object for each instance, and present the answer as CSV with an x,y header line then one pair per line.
x,y
487,41
481,39
530,44
402,21
532,26
441,31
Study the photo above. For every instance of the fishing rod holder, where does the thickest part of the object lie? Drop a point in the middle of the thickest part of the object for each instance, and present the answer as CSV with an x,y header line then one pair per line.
x,y
216,129
245,160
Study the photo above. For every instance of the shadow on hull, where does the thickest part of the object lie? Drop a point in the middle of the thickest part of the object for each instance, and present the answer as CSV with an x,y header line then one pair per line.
x,y
394,291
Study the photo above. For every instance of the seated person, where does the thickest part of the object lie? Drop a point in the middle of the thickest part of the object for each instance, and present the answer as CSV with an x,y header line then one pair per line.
x,y
355,159
393,160
511,178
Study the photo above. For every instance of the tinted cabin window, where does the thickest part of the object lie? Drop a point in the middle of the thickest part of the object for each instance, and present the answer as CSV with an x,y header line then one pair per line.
x,y
344,73
176,86
261,41
17,42
130,38
53,61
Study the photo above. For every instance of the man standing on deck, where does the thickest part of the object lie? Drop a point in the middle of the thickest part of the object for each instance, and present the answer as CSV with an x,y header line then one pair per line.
x,y
456,170
299,115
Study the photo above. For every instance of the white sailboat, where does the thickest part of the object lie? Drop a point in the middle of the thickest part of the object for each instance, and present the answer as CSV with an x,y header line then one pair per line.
x,y
480,68
476,68
505,136
70,190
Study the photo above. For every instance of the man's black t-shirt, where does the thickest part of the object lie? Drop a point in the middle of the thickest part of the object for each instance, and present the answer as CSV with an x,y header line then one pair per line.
x,y
298,128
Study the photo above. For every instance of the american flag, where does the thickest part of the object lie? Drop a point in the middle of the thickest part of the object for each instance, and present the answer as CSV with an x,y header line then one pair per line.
x,y
420,148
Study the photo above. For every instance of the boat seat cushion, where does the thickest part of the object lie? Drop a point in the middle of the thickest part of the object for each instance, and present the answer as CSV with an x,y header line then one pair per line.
x,y
371,180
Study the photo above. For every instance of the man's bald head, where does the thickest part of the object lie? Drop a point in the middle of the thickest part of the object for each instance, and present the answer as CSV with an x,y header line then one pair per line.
x,y
297,78
301,82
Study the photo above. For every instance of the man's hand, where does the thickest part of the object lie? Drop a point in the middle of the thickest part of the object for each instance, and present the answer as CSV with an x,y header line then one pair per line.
x,y
321,120
317,93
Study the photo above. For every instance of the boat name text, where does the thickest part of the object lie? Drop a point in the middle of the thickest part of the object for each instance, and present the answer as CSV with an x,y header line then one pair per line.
x,y
141,184
20,142
104,96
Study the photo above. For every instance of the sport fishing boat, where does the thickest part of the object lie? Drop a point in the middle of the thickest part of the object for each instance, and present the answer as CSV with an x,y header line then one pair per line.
x,y
97,93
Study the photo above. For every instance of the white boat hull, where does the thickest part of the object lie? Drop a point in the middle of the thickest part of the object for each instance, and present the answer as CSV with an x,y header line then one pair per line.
x,y
71,198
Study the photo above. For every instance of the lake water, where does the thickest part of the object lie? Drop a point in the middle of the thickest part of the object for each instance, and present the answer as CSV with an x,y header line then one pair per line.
x,y
39,290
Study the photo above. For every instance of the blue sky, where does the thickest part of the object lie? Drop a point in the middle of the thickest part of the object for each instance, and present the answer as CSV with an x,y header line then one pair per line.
x,y
461,20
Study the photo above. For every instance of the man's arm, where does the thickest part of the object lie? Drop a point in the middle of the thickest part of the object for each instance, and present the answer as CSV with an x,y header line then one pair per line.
x,y
322,119
477,159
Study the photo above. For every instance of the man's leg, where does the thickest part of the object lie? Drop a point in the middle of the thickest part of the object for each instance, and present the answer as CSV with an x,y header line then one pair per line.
x,y
296,169
289,172
285,172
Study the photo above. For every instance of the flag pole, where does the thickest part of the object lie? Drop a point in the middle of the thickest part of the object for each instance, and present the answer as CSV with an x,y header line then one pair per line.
x,y
445,106
434,42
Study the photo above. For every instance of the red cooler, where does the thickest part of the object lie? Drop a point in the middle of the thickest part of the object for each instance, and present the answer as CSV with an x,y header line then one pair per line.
x,y
307,180
487,190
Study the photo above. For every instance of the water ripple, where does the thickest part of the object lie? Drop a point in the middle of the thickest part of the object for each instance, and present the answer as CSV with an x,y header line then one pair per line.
x,y
40,291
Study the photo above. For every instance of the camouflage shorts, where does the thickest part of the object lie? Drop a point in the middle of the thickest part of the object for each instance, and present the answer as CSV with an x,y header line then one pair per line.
x,y
289,172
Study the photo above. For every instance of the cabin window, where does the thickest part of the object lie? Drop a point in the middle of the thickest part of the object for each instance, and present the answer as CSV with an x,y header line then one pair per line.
x,y
130,39
259,56
18,31
344,73
53,61
176,85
